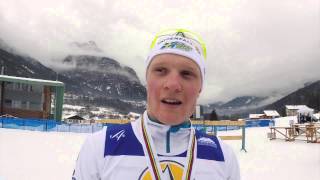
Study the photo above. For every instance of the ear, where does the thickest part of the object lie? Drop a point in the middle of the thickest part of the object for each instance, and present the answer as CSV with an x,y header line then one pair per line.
x,y
199,93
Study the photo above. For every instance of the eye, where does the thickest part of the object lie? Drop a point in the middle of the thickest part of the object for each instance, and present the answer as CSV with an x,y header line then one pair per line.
x,y
187,74
160,70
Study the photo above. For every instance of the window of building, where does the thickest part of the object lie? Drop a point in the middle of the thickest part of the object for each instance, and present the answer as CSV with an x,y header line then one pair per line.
x,y
8,103
24,105
37,106
9,85
16,86
24,87
16,104
37,88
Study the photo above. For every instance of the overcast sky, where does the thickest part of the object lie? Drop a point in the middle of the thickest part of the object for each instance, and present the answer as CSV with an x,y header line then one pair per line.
x,y
255,47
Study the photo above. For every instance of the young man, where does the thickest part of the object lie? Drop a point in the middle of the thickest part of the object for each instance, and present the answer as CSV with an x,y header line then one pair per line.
x,y
162,144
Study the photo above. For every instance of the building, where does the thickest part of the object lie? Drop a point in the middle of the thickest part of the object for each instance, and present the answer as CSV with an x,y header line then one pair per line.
x,y
256,116
31,98
198,113
271,114
292,110
267,114
76,119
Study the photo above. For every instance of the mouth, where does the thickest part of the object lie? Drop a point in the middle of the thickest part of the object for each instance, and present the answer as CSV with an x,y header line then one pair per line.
x,y
171,101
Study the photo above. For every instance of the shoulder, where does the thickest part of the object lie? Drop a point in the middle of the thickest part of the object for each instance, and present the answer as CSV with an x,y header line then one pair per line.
x,y
232,164
213,144
209,147
213,148
111,140
90,157
121,140
94,143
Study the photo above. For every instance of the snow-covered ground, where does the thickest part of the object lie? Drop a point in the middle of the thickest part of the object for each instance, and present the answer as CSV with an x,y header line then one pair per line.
x,y
52,155
35,155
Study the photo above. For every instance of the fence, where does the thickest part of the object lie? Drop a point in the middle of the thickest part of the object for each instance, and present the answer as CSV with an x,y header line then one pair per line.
x,y
53,125
201,125
259,123
48,125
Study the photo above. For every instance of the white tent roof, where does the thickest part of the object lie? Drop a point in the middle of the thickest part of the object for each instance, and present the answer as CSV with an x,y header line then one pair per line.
x,y
305,109
295,107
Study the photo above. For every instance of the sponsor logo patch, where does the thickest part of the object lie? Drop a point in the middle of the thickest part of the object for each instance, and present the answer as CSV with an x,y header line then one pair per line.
x,y
204,141
118,135
177,45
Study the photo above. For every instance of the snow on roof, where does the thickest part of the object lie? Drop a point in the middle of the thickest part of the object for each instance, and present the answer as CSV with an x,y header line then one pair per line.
x,y
133,114
68,114
72,107
75,117
255,116
295,107
30,80
272,113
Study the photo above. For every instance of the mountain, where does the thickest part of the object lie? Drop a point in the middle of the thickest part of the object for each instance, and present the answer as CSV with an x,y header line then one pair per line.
x,y
238,107
103,77
25,66
241,107
86,46
243,101
308,95
92,80
16,65
4,46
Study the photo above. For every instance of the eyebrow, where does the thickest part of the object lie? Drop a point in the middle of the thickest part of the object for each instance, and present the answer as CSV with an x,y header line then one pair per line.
x,y
165,64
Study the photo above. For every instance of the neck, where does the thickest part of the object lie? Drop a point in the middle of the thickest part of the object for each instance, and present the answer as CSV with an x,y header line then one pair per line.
x,y
185,123
165,136
153,119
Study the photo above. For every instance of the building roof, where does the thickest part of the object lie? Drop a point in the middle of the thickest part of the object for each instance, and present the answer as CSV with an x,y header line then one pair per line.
x,y
255,116
30,81
77,117
272,113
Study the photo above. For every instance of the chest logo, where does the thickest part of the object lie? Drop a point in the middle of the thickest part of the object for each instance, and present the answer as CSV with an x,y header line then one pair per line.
x,y
118,135
171,169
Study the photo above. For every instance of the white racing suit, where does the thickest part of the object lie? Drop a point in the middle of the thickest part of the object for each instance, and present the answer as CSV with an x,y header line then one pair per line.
x,y
116,153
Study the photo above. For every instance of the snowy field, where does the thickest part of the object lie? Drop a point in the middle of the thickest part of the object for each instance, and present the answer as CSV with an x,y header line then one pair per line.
x,y
32,155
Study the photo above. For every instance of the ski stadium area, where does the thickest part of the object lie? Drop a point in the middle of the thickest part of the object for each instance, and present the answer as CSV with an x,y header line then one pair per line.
x,y
38,155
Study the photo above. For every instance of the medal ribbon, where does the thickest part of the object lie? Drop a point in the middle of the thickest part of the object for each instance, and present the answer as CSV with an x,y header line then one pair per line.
x,y
152,155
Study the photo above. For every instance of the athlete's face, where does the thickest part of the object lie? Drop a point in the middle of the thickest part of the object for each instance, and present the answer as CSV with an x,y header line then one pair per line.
x,y
173,86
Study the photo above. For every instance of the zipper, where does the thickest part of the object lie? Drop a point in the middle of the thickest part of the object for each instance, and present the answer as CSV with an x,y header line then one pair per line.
x,y
168,141
175,129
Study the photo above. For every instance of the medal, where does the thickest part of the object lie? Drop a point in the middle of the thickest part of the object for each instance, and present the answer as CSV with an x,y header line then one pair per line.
x,y
152,157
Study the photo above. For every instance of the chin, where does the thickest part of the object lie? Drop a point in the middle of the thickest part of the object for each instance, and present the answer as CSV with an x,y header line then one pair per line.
x,y
171,119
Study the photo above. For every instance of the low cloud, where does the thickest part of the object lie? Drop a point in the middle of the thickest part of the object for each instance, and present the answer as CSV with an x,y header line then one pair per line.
x,y
255,47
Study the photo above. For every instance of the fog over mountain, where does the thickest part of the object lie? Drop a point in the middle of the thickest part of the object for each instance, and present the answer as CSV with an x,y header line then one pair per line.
x,y
255,47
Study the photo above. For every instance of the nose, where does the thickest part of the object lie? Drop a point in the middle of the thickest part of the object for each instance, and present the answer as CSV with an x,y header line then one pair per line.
x,y
173,83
